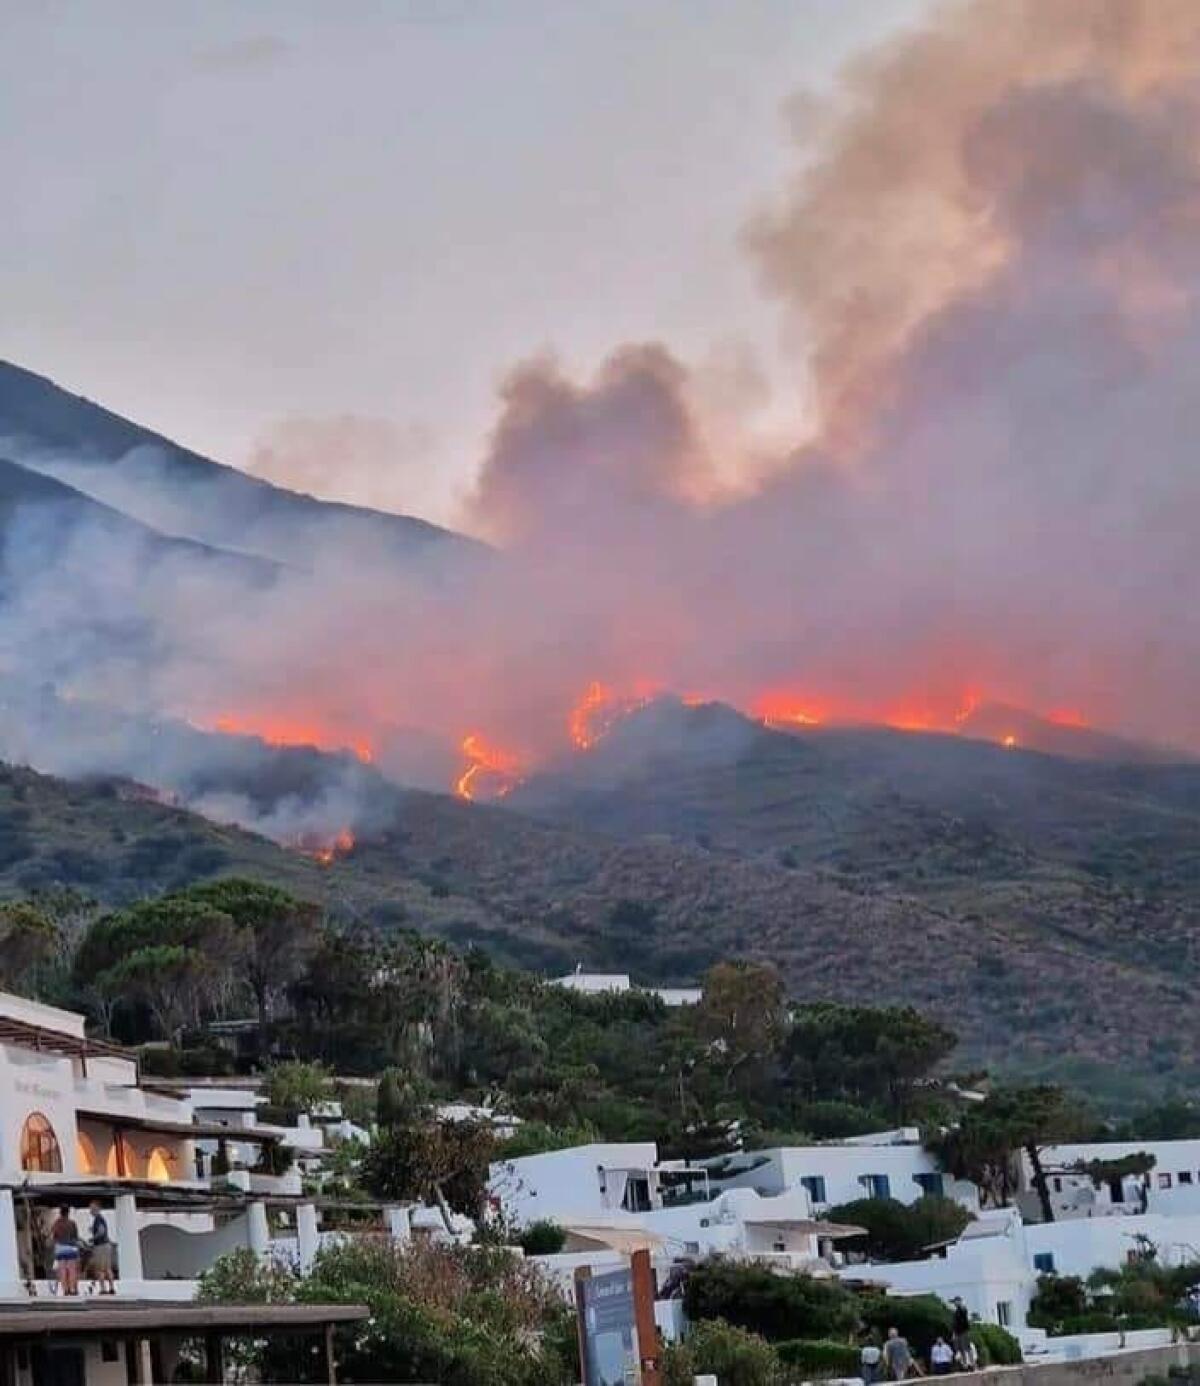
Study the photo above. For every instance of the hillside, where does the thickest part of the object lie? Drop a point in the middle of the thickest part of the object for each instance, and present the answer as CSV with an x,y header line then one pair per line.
x,y
57,514
171,488
1038,964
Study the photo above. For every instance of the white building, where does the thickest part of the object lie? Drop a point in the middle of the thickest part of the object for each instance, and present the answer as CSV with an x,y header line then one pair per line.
x,y
888,1164
612,983
1171,1187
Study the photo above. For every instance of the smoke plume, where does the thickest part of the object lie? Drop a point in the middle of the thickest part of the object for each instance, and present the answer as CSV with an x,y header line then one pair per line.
x,y
988,263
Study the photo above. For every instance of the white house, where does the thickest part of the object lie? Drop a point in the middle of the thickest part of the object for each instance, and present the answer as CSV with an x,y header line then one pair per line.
x,y
577,1182
889,1164
1171,1187
610,983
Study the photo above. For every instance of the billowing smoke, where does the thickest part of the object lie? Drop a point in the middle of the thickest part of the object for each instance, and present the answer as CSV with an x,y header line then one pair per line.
x,y
988,264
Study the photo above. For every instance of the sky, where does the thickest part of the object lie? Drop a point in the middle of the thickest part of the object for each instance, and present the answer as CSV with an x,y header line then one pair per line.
x,y
311,240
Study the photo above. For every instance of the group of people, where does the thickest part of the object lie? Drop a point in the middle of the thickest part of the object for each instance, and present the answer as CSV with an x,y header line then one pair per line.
x,y
70,1250
894,1359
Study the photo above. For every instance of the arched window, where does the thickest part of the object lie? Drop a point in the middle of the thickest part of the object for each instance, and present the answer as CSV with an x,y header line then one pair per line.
x,y
40,1153
158,1166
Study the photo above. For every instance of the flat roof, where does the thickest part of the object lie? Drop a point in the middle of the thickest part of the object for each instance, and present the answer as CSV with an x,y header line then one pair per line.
x,y
190,1130
88,1317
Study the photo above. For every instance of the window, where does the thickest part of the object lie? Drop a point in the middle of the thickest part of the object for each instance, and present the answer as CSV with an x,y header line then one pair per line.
x,y
815,1185
39,1147
1004,1312
1043,1262
1184,1176
1164,1181
876,1185
929,1184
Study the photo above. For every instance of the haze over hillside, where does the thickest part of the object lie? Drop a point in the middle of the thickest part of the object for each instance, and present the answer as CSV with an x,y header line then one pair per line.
x,y
170,488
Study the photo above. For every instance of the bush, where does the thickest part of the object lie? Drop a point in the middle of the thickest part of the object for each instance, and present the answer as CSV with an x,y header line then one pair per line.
x,y
733,1356
542,1239
1057,1297
996,1346
775,1306
818,1358
461,1316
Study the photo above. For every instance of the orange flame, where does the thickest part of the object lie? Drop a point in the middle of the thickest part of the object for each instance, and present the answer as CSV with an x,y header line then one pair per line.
x,y
326,850
279,730
601,708
488,768
785,710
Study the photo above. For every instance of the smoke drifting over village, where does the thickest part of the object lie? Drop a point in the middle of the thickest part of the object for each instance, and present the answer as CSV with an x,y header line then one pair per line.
x,y
989,265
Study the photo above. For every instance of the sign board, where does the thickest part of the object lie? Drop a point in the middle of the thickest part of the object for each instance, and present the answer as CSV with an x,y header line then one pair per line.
x,y
617,1338
608,1329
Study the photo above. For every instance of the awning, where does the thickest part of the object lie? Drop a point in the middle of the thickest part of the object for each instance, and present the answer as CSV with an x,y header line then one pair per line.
x,y
623,1237
808,1227
147,1318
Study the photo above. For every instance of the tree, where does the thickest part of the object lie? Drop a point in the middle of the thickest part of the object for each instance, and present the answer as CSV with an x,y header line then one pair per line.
x,y
445,1162
1025,1119
296,1086
898,1231
401,1099
864,1055
743,1016
169,979
278,934
774,1306
28,940
196,946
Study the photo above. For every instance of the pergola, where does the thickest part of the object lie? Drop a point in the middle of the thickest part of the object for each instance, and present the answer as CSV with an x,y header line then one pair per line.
x,y
145,1328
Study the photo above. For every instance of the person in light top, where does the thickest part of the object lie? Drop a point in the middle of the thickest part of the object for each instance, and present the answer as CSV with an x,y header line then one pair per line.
x,y
941,1357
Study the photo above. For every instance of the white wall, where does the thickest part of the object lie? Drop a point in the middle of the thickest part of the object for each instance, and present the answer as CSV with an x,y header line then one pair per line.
x,y
563,1183
1173,1186
843,1168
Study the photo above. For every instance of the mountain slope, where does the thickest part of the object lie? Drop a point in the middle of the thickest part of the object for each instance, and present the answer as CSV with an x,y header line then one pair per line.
x,y
174,489
57,514
1022,985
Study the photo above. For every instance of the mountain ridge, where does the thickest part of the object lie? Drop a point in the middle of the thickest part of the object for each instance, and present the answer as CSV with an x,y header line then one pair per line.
x,y
113,459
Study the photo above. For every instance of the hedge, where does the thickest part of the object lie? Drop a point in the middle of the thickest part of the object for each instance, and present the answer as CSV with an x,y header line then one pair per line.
x,y
818,1357
996,1346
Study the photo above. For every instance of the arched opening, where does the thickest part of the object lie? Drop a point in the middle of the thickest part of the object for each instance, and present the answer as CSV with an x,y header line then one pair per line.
x,y
85,1154
40,1152
158,1166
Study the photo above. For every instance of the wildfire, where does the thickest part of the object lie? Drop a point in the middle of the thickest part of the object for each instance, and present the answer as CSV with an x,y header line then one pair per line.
x,y
489,770
278,730
326,850
783,711
601,708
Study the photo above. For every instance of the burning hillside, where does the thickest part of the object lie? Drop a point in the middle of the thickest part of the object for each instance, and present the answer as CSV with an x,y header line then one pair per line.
x,y
988,253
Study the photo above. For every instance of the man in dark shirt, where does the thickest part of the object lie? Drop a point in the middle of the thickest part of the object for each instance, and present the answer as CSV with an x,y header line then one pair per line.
x,y
100,1254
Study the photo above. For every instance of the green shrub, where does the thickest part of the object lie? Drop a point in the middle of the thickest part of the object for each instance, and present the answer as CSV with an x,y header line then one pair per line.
x,y
775,1306
1058,1297
816,1358
543,1238
733,1356
996,1346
